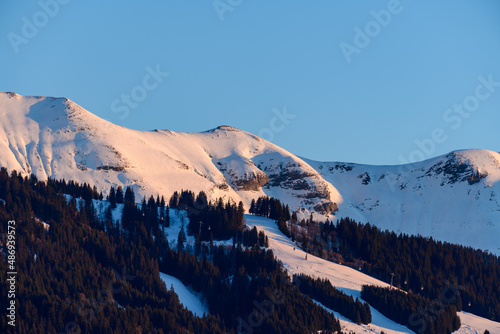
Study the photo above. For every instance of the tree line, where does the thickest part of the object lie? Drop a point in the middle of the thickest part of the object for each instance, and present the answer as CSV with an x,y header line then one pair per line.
x,y
322,291
420,265
209,220
272,208
75,276
94,274
414,311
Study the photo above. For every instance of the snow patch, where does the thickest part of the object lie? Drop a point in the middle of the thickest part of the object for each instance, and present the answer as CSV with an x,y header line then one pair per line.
x,y
187,297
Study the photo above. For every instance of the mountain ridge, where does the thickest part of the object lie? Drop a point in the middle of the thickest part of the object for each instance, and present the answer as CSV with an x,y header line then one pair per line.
x,y
452,197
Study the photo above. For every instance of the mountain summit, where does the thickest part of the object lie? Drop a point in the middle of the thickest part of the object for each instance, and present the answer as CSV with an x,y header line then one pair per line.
x,y
54,137
452,197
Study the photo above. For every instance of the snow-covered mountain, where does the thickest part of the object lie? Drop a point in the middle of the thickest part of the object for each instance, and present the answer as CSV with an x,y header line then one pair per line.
x,y
452,198
54,137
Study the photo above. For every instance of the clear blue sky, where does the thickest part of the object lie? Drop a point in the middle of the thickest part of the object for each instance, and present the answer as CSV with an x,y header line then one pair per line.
x,y
236,63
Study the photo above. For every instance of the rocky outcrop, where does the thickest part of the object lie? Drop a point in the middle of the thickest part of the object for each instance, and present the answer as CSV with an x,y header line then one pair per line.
x,y
456,169
326,208
241,173
250,181
291,175
108,167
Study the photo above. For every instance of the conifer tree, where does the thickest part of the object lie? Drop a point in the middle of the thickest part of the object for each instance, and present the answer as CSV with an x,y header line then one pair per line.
x,y
181,238
129,196
119,194
112,197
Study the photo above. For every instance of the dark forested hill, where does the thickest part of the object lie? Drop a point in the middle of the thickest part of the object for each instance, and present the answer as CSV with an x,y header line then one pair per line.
x,y
79,274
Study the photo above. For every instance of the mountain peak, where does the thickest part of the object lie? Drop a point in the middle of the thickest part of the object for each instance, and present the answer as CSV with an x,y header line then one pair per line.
x,y
10,94
19,96
480,160
41,109
225,128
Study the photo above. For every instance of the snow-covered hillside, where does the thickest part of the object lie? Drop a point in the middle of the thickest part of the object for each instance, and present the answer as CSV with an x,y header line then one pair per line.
x,y
187,297
452,198
54,137
348,280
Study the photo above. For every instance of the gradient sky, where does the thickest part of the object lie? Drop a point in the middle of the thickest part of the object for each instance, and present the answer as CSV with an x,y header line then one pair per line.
x,y
242,62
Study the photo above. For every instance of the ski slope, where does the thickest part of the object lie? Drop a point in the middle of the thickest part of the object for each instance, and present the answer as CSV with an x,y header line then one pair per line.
x,y
472,324
343,278
348,280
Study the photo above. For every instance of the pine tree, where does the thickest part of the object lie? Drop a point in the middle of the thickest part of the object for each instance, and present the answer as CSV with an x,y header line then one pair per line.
x,y
174,200
240,212
167,217
181,238
112,197
129,196
197,246
252,206
119,194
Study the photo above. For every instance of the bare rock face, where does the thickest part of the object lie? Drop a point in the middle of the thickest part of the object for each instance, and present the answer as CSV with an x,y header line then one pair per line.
x,y
326,208
304,181
252,181
290,178
241,173
281,176
456,169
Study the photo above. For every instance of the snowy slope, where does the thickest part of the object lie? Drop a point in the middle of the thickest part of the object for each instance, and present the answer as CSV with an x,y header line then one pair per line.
x,y
187,298
384,325
343,278
54,137
348,280
451,198
472,324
